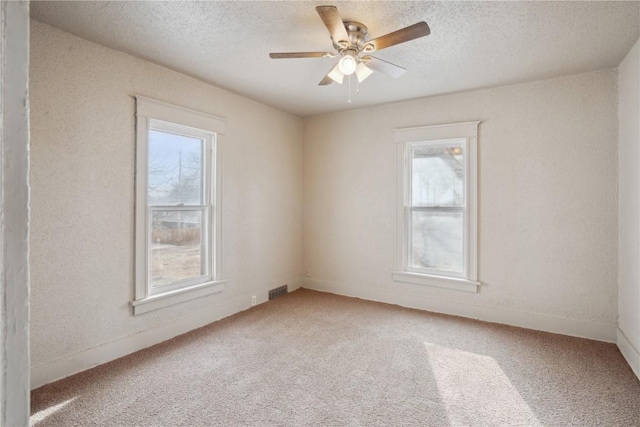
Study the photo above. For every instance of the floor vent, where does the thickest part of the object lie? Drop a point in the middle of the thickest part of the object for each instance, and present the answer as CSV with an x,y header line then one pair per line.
x,y
277,292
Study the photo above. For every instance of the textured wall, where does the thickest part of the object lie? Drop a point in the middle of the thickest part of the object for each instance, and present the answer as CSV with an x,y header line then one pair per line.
x,y
547,189
629,231
82,177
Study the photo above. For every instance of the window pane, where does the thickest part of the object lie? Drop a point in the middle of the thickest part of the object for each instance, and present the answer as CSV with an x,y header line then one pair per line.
x,y
175,169
437,176
176,252
437,241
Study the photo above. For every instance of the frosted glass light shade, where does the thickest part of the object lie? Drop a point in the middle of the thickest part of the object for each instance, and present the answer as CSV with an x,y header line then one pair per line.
x,y
347,64
362,72
336,75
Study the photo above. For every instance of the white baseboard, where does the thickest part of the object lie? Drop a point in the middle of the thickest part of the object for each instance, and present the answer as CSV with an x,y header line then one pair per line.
x,y
630,352
73,364
294,284
539,322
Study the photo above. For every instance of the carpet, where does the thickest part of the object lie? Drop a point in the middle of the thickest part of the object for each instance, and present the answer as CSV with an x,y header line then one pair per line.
x,y
317,359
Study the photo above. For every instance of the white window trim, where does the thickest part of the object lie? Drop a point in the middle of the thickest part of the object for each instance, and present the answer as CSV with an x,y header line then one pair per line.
x,y
405,138
148,110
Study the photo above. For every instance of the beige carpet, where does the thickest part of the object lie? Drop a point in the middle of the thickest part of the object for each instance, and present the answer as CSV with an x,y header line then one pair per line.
x,y
310,358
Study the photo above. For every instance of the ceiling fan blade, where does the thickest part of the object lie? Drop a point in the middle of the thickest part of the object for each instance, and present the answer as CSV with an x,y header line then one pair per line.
x,y
325,81
333,22
409,33
385,67
301,55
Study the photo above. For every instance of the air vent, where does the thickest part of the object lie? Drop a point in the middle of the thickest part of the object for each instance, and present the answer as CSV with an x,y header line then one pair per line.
x,y
277,292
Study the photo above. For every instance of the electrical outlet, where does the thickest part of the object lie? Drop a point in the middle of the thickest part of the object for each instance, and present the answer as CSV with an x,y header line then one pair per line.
x,y
253,301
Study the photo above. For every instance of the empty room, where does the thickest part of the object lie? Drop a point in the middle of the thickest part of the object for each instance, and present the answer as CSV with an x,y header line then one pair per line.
x,y
308,213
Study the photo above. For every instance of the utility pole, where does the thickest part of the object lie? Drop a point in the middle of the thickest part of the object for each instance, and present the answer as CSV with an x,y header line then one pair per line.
x,y
180,193
179,177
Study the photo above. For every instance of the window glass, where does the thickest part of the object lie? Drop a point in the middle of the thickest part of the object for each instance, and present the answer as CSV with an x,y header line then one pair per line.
x,y
436,240
175,169
437,177
176,249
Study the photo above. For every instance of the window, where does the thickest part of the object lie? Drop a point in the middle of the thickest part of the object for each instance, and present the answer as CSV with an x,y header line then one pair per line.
x,y
437,206
177,205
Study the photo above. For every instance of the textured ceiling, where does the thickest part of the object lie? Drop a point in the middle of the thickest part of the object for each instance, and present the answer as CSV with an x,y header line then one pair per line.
x,y
472,44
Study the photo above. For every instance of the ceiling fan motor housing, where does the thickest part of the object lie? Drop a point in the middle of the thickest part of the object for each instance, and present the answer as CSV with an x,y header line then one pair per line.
x,y
357,33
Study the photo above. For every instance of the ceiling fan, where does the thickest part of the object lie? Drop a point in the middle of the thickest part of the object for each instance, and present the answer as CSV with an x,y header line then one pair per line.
x,y
349,40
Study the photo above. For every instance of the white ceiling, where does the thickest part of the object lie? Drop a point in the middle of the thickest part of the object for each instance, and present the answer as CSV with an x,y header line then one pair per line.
x,y
472,44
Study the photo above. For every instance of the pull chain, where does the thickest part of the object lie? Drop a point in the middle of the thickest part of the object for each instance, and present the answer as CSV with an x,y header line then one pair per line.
x,y
349,99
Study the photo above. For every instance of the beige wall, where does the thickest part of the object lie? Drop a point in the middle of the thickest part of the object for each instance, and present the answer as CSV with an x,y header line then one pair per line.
x,y
629,208
82,177
547,188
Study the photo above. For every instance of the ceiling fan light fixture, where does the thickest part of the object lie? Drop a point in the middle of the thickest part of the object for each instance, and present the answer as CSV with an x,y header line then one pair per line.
x,y
349,39
362,72
348,64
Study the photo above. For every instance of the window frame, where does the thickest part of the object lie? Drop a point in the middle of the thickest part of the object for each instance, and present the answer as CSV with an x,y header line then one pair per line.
x,y
408,139
163,117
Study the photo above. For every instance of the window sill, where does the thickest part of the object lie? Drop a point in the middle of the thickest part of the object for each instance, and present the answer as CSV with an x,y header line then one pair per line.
x,y
436,281
166,299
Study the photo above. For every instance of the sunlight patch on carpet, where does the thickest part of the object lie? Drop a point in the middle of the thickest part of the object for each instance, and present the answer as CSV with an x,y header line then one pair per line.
x,y
42,415
475,390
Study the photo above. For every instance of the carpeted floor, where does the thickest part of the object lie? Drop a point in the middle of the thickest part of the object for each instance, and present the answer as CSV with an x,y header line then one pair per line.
x,y
310,358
